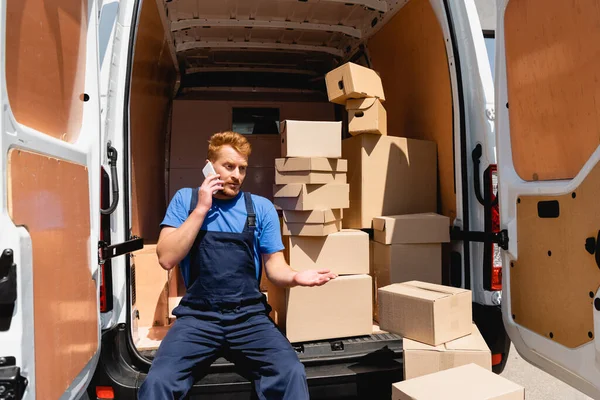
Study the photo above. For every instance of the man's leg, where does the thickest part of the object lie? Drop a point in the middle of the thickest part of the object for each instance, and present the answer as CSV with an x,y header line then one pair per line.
x,y
257,346
191,345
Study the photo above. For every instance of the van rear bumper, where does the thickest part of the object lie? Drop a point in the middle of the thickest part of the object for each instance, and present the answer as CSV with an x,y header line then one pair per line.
x,y
363,367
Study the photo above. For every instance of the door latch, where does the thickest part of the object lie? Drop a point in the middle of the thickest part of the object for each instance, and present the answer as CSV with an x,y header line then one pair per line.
x,y
500,238
12,384
8,278
106,252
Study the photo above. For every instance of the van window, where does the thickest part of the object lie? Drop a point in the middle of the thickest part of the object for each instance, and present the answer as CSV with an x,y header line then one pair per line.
x,y
490,46
256,121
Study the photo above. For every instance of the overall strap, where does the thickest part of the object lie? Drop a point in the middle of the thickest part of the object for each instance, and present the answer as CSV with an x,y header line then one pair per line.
x,y
194,200
251,221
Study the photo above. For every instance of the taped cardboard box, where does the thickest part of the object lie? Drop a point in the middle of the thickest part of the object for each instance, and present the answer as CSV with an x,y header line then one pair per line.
x,y
340,308
353,81
422,359
302,197
425,312
366,116
468,382
412,228
310,170
344,253
311,223
397,263
389,175
311,139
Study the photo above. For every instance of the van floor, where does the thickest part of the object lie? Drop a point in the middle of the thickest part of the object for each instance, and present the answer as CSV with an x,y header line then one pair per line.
x,y
149,338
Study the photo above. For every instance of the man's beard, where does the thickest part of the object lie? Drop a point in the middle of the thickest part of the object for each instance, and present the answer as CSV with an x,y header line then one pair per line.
x,y
228,191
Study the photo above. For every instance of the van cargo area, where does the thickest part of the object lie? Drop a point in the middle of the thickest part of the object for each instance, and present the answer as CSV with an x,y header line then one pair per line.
x,y
200,67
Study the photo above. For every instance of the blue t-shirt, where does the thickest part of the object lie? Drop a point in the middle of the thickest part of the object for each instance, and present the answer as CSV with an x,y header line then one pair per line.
x,y
229,216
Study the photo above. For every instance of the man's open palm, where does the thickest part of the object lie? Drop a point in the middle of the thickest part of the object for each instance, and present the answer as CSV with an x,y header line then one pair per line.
x,y
314,277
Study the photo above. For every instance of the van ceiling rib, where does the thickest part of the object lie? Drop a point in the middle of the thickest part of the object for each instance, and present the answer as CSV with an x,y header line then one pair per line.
x,y
209,23
379,5
257,45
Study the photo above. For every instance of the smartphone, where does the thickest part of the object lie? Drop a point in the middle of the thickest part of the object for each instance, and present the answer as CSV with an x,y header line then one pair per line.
x,y
208,170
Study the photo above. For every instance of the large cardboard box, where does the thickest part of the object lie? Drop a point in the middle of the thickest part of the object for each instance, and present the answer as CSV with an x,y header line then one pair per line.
x,y
397,263
340,308
344,253
302,197
425,312
412,228
352,81
422,359
311,139
310,170
389,176
152,287
366,116
468,382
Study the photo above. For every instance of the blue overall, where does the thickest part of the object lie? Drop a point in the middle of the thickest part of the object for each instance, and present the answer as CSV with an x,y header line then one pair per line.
x,y
224,314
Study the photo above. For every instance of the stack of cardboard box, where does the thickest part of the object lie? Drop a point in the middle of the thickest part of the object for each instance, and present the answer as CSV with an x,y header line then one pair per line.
x,y
311,190
436,324
406,248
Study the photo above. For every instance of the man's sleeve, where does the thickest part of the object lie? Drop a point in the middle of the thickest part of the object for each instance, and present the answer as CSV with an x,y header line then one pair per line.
x,y
270,235
177,212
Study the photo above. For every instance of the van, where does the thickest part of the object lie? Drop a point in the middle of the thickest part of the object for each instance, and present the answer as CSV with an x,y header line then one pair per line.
x,y
106,110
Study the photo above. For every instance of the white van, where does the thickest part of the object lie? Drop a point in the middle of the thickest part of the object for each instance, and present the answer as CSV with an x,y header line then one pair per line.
x,y
107,105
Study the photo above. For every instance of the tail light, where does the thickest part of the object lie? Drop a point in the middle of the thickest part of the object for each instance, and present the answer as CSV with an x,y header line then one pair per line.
x,y
492,222
106,298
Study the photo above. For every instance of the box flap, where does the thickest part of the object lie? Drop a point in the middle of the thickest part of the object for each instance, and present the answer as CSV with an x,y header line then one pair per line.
x,y
379,223
448,290
413,345
361,104
402,289
289,190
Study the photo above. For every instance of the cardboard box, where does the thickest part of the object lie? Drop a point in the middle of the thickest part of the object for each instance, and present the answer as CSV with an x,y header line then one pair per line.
x,y
366,116
311,139
302,197
389,176
412,228
340,308
468,382
311,164
310,170
152,286
397,263
307,177
352,81
422,359
295,229
313,217
344,253
425,312
312,223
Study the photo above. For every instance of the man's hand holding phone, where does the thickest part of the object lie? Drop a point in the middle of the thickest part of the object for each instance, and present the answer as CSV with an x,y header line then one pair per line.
x,y
211,185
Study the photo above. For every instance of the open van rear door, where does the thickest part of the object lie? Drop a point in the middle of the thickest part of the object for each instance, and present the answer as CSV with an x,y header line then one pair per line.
x,y
548,136
50,202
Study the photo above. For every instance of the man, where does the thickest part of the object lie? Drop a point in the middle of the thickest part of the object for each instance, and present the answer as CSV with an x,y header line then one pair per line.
x,y
217,234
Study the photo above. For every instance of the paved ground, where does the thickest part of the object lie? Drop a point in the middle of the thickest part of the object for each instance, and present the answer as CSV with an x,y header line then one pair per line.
x,y
538,384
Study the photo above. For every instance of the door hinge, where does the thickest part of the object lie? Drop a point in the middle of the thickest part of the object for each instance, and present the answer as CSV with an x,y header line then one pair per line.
x,y
8,289
500,238
12,384
106,252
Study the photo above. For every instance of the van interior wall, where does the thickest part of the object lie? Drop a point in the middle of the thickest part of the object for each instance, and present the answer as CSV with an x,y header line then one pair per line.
x,y
410,55
152,83
194,121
